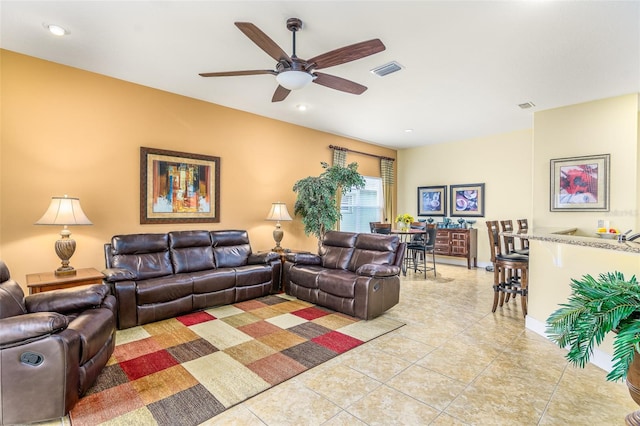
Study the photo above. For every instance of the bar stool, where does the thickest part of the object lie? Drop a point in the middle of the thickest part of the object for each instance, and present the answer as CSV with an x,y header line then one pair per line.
x,y
510,271
509,243
523,226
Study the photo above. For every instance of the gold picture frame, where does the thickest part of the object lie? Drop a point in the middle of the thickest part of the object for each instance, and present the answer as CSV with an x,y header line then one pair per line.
x,y
178,187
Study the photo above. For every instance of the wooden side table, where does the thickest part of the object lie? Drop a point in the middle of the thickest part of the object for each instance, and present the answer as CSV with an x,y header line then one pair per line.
x,y
46,281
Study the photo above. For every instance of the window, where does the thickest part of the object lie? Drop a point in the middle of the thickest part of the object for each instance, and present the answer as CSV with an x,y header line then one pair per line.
x,y
361,206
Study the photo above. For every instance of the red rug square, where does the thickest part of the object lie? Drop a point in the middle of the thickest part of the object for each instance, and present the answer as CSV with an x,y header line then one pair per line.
x,y
310,313
148,364
195,318
337,341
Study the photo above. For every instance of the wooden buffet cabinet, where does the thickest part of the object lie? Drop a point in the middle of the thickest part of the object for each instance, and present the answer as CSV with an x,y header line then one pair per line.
x,y
458,243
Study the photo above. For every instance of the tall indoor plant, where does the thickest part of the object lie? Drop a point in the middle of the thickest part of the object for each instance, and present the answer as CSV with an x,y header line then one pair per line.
x,y
317,197
596,307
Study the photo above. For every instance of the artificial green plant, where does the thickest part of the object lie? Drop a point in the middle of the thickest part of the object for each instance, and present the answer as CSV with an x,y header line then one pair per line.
x,y
317,203
595,308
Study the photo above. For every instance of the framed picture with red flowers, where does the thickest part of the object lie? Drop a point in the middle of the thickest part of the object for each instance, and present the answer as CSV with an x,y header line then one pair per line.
x,y
580,183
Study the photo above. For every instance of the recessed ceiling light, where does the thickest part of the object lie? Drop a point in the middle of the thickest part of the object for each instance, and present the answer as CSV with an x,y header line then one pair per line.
x,y
408,130
56,29
301,107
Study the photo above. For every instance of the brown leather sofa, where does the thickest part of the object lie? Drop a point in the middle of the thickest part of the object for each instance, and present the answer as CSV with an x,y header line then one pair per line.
x,y
53,345
159,276
356,274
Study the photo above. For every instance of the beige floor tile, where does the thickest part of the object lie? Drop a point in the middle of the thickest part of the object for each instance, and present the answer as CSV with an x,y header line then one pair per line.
x,y
402,347
340,384
376,364
427,386
291,403
235,416
344,419
387,406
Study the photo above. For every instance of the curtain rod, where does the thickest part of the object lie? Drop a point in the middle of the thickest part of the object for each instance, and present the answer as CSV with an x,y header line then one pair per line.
x,y
339,148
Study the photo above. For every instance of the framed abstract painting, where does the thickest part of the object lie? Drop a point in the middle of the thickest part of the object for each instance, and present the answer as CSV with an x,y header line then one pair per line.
x,y
432,200
178,187
467,200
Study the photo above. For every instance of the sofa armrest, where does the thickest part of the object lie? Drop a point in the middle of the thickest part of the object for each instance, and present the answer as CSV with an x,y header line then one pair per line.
x,y
304,258
113,275
68,300
28,327
377,270
263,258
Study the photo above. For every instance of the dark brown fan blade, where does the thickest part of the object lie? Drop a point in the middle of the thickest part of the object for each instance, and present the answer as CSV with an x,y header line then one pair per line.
x,y
339,83
263,41
280,94
234,73
346,54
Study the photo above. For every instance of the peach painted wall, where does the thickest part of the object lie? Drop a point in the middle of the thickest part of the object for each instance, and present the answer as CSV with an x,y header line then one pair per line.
x,y
68,131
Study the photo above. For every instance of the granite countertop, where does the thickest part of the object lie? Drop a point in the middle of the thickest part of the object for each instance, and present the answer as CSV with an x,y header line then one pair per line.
x,y
567,236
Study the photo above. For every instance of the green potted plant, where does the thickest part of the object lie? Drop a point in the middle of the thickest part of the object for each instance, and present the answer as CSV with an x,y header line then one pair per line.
x,y
317,202
596,307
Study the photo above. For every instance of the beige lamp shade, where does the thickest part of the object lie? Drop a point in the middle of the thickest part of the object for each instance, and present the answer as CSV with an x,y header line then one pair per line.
x,y
64,211
278,212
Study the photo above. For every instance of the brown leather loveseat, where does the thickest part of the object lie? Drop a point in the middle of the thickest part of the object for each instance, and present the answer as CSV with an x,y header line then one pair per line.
x,y
356,274
53,345
159,276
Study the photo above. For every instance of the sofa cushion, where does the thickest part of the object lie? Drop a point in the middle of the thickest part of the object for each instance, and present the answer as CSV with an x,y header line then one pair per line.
x,y
337,248
191,251
253,274
213,280
164,289
374,248
230,248
304,275
339,283
144,255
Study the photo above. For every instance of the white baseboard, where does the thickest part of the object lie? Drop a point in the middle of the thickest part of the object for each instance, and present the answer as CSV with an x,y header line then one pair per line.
x,y
600,358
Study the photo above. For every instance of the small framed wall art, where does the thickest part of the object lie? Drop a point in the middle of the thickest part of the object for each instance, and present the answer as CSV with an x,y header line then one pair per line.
x,y
178,187
432,200
467,200
580,183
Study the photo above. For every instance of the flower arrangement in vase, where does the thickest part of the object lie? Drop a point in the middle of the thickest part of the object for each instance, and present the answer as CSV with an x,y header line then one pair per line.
x,y
405,220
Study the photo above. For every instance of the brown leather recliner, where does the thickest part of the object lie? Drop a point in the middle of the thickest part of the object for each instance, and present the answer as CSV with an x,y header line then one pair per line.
x,y
53,345
356,274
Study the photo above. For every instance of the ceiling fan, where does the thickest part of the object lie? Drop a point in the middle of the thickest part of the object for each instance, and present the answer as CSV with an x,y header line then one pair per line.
x,y
294,73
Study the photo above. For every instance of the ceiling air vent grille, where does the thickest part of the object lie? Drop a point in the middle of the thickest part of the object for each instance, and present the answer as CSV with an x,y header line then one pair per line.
x,y
387,69
527,105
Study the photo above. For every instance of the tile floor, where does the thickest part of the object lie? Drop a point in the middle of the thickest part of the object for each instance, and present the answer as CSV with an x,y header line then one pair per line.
x,y
453,363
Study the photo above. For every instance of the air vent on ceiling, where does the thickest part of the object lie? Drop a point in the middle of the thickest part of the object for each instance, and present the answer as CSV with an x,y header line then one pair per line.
x,y
387,69
527,105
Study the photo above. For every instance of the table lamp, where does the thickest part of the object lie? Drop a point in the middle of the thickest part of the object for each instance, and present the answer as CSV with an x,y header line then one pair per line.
x,y
278,212
64,211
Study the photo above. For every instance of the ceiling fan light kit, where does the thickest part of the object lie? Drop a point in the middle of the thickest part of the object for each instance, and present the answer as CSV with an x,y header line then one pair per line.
x,y
293,73
294,80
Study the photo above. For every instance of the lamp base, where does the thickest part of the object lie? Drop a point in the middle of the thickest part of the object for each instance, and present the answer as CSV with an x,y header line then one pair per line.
x,y
65,271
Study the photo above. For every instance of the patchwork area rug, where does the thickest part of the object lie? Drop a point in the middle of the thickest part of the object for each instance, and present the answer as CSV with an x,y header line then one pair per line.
x,y
185,370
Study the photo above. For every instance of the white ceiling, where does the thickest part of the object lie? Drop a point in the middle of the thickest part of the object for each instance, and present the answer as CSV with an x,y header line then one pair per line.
x,y
467,64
